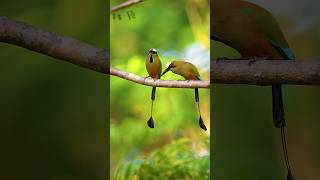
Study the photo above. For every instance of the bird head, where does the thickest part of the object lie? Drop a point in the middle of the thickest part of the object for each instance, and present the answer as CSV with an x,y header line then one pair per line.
x,y
152,53
170,66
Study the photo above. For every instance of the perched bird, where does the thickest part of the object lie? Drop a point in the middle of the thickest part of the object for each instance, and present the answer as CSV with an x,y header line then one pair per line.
x,y
254,33
154,68
189,72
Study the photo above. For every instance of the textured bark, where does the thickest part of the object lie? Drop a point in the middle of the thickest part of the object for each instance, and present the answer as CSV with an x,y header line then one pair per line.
x,y
76,52
158,83
51,44
266,72
262,72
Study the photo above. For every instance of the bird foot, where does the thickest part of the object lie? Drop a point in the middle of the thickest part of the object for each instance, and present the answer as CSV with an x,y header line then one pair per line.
x,y
146,77
255,59
223,58
252,61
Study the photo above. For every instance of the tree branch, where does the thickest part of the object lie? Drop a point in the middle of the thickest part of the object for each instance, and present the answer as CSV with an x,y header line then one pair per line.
x,y
264,72
158,83
76,52
51,44
125,5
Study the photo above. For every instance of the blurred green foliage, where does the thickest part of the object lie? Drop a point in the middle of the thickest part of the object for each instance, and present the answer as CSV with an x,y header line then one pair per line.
x,y
170,27
173,161
53,115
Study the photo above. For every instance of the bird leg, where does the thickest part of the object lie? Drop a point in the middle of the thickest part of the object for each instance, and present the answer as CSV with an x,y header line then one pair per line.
x,y
255,59
221,58
146,77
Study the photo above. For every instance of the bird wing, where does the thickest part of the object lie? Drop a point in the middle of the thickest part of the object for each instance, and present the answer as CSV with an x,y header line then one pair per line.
x,y
195,72
285,51
268,23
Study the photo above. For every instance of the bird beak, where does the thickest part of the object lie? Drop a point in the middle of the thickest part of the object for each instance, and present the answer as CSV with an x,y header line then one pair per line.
x,y
165,71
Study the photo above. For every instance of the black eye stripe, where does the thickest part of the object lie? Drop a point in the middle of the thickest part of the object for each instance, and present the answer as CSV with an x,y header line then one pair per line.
x,y
151,59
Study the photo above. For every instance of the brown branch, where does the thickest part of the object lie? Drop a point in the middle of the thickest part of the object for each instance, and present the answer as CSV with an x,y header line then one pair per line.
x,y
74,51
158,83
125,5
51,44
266,72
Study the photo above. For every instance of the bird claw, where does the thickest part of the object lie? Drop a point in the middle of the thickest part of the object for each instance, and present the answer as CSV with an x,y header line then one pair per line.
x,y
146,77
252,61
222,58
255,59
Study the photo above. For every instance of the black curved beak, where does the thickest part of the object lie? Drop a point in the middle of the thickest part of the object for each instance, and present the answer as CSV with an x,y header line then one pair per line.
x,y
165,71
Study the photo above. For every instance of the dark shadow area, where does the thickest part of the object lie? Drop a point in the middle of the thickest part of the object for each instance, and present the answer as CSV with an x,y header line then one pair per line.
x,y
53,116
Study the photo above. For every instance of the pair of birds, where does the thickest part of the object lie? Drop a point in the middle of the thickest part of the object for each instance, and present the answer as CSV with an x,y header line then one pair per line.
x,y
182,68
254,33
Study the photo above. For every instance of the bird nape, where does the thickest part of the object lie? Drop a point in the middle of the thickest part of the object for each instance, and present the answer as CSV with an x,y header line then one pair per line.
x,y
259,36
154,68
189,72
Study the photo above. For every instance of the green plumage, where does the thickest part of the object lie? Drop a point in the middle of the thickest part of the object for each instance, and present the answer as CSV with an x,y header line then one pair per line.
x,y
153,64
248,28
185,69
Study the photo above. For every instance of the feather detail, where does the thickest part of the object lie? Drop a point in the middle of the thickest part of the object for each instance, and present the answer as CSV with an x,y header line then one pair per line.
x,y
287,53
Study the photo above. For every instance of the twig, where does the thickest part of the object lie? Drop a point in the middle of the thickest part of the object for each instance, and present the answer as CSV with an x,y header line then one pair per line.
x,y
158,83
125,5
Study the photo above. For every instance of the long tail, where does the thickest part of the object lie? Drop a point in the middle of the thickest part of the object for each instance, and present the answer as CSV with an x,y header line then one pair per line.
x,y
153,97
201,123
279,122
277,107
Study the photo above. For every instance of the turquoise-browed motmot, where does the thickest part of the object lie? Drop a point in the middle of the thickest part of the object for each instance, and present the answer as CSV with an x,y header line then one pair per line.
x,y
154,68
254,33
189,72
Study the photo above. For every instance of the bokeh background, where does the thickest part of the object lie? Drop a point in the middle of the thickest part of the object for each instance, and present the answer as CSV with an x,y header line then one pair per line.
x,y
176,148
246,145
53,115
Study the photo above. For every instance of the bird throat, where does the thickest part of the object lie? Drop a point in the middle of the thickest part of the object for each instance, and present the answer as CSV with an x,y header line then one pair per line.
x,y
151,59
